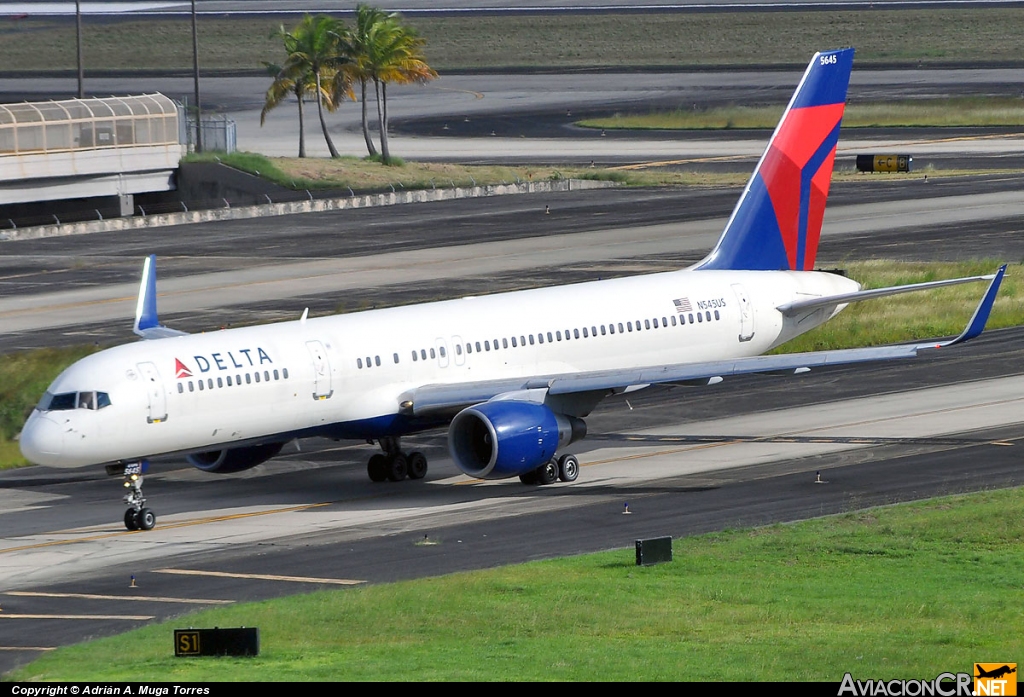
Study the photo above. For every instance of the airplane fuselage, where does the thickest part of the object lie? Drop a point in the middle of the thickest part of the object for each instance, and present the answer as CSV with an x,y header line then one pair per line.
x,y
344,376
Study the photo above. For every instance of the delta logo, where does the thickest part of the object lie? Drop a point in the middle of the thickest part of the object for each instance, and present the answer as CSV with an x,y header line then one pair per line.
x,y
995,679
181,370
237,359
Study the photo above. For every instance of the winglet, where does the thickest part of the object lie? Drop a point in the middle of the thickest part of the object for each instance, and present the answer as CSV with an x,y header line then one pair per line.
x,y
977,324
147,323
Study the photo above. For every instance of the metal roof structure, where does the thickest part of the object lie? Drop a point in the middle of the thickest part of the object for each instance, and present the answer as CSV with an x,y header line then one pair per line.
x,y
87,124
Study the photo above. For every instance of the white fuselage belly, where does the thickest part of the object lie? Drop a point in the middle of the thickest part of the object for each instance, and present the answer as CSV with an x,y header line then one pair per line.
x,y
155,407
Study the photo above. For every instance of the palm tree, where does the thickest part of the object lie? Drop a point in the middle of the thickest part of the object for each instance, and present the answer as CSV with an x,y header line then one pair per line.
x,y
367,18
318,60
386,51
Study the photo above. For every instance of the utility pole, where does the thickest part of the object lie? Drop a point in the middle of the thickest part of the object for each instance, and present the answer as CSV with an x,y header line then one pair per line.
x,y
195,73
78,33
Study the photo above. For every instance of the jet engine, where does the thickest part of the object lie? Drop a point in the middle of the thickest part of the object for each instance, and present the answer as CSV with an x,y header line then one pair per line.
x,y
501,439
235,459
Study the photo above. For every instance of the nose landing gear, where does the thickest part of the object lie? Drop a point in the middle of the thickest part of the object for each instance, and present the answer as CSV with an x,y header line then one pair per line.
x,y
137,517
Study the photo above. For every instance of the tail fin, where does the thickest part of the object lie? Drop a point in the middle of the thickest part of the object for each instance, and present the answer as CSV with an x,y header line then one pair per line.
x,y
777,221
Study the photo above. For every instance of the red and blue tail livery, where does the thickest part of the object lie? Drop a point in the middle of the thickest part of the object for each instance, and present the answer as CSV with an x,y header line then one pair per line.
x,y
777,222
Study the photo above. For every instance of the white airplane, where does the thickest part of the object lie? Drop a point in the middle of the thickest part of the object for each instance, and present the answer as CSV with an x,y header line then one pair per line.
x,y
514,374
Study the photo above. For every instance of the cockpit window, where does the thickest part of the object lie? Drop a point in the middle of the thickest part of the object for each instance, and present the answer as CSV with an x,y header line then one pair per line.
x,y
73,400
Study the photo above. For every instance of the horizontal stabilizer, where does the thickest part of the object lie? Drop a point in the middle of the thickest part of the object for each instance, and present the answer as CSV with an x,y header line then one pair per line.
x,y
147,323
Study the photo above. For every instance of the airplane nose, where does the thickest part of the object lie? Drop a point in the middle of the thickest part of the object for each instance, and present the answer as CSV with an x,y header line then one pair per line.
x,y
42,440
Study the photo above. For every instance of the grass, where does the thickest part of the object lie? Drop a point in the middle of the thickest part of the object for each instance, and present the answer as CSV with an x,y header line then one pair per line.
x,y
905,591
634,40
965,111
365,174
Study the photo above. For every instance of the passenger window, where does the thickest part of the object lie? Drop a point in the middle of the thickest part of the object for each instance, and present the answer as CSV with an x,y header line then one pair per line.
x,y
284,373
540,338
432,354
514,343
629,326
611,328
415,356
531,339
716,315
673,321
707,315
469,348
504,343
549,338
248,379
558,334
201,386
376,361
691,318
396,358
522,341
181,388
576,333
647,323
220,382
191,388
238,379
276,374
602,330
700,317
423,354
256,376
458,350
443,352
487,345
585,333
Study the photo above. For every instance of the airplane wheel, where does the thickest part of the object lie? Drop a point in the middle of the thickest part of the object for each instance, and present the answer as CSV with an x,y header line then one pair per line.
x,y
377,468
417,466
547,473
130,519
145,519
529,478
397,467
568,468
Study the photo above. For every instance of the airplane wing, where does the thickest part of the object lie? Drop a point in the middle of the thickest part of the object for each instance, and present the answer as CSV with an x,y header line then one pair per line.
x,y
434,399
147,324
798,306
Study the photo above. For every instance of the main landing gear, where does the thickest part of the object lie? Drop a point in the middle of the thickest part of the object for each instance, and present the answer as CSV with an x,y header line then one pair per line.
x,y
395,465
565,468
137,517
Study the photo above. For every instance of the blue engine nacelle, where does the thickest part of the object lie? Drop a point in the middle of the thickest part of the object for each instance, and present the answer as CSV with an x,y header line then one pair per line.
x,y
501,439
235,459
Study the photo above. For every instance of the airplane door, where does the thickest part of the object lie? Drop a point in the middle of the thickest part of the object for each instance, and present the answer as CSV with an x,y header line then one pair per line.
x,y
442,353
460,358
321,370
154,392
746,313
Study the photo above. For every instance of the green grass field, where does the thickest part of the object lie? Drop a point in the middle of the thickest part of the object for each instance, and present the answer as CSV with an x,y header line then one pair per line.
x,y
967,111
577,41
906,591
